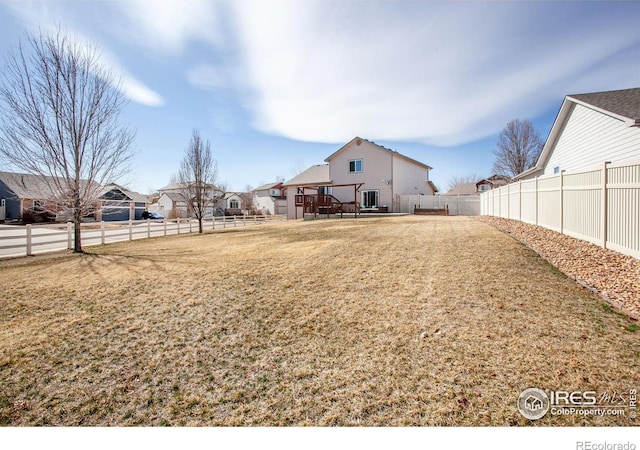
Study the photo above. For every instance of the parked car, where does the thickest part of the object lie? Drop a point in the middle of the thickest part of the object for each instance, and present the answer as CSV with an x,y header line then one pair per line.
x,y
151,216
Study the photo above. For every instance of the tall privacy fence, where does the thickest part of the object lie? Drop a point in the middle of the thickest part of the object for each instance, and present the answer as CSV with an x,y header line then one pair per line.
x,y
459,205
600,205
33,239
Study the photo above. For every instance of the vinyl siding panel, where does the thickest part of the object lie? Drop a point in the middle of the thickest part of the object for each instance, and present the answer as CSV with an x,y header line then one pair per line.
x,y
589,138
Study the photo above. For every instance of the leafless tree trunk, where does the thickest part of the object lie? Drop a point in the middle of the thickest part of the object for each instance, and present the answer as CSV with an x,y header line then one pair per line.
x,y
197,177
518,148
60,110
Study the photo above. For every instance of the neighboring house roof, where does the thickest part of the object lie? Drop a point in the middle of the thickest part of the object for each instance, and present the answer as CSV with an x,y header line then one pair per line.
x,y
314,175
622,104
463,189
180,186
174,196
228,195
26,185
31,186
132,195
266,187
394,152
495,181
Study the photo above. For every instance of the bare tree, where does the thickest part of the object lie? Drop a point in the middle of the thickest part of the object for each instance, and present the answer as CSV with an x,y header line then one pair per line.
x,y
455,181
518,148
60,109
197,179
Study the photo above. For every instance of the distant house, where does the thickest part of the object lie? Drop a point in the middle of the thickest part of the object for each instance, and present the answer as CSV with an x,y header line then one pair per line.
x,y
118,203
589,130
173,201
24,194
233,204
270,198
360,176
33,198
493,182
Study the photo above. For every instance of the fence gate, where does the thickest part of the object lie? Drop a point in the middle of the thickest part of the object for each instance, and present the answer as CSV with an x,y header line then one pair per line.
x,y
2,210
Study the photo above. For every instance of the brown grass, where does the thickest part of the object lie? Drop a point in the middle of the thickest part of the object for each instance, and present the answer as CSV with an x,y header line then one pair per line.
x,y
395,321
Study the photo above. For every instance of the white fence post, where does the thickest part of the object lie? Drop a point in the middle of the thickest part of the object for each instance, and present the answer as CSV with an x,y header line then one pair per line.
x,y
190,225
234,221
102,236
130,230
178,222
148,228
520,200
562,202
28,240
164,223
536,200
605,207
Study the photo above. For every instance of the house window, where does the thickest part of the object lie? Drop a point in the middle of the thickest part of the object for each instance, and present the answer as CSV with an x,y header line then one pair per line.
x,y
355,166
233,204
556,170
483,187
370,199
325,190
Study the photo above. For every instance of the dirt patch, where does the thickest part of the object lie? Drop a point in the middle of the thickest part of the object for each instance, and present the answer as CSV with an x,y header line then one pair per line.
x,y
395,321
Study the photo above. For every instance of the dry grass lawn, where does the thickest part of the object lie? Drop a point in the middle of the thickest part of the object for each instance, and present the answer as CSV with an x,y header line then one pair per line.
x,y
394,321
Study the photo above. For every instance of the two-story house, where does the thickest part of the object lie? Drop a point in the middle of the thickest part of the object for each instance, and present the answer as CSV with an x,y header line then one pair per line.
x,y
361,175
270,198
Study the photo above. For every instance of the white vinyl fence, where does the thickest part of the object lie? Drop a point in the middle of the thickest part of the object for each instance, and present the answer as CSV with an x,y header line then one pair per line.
x,y
600,205
459,205
28,240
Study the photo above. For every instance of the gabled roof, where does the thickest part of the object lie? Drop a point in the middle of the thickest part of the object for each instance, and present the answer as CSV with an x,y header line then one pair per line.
x,y
266,187
174,196
132,195
314,175
31,186
181,186
26,185
395,153
463,189
623,104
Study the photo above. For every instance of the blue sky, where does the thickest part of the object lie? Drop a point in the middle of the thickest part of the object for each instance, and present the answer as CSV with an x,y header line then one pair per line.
x,y
276,84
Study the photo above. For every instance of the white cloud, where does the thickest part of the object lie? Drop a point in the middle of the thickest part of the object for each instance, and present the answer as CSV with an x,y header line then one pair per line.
x,y
440,73
168,26
51,15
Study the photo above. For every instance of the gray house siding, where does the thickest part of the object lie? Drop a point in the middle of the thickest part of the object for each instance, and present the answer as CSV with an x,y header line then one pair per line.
x,y
12,202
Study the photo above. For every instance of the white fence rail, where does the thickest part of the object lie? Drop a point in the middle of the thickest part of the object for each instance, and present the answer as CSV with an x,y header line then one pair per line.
x,y
459,205
34,239
600,205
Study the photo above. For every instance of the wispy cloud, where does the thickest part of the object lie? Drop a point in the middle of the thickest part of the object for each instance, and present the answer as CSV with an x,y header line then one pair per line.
x,y
51,15
168,26
441,73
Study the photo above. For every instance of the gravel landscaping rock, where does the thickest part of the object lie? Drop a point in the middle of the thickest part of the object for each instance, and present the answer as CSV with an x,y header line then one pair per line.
x,y
612,275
